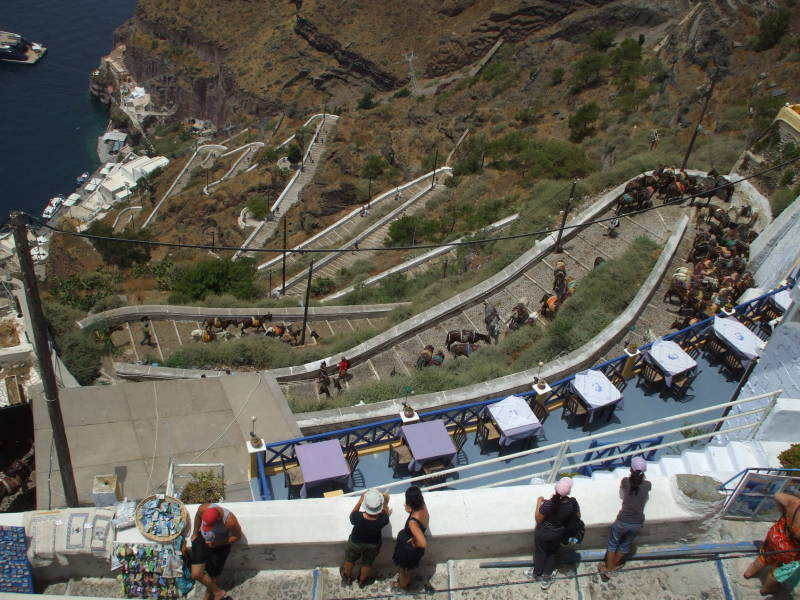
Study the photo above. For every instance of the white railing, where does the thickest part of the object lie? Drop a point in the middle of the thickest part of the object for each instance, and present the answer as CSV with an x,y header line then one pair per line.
x,y
557,463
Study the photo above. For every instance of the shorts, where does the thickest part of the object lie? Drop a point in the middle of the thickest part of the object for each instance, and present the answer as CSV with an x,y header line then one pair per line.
x,y
213,558
621,536
366,552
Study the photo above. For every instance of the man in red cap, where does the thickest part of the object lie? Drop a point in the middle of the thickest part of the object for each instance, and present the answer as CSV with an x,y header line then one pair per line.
x,y
215,529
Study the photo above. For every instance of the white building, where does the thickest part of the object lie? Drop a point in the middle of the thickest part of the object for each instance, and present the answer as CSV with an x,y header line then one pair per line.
x,y
121,177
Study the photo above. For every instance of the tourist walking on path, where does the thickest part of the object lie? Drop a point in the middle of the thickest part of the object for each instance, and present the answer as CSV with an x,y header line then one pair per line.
x,y
365,540
411,542
553,520
147,337
635,491
783,540
215,529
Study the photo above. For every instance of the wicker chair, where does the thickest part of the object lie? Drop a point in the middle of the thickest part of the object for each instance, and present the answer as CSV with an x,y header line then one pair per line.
x,y
732,365
716,348
650,377
399,459
681,383
292,477
615,377
486,434
432,468
574,409
540,411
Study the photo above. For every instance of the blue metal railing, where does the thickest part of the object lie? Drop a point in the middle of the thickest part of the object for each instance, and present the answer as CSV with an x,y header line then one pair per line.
x,y
612,453
388,430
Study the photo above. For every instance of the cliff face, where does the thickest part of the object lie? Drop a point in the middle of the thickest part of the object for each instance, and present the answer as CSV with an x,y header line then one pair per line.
x,y
224,60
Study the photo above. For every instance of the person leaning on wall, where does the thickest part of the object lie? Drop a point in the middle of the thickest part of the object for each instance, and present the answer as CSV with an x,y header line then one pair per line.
x,y
634,491
365,540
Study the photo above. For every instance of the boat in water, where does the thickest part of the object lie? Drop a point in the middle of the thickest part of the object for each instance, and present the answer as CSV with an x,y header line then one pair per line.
x,y
53,206
15,48
82,179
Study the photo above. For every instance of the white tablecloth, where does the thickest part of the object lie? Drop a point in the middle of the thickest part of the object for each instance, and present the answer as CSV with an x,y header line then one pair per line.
x,y
782,300
670,358
596,390
514,419
738,337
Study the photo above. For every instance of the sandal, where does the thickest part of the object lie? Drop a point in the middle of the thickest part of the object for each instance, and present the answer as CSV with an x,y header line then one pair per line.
x,y
346,581
601,568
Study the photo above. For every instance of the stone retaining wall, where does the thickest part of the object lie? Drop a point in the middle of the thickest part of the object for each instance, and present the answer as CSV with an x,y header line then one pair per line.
x,y
165,312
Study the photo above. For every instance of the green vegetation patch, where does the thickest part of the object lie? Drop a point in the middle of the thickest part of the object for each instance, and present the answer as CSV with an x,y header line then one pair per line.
x,y
215,277
80,349
601,296
259,352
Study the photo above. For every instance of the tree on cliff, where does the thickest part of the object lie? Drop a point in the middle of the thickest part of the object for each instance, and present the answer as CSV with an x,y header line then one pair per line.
x,y
122,255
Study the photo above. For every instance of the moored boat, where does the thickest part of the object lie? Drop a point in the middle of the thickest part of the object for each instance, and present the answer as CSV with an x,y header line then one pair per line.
x,y
15,48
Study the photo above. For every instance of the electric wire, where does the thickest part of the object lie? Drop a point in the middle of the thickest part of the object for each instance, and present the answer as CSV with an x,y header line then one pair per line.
x,y
677,200
709,557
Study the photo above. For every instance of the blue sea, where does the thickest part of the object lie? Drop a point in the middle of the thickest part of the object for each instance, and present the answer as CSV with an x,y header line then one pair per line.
x,y
48,121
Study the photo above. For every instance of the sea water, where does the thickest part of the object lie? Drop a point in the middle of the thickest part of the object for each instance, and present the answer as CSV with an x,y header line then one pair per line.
x,y
48,121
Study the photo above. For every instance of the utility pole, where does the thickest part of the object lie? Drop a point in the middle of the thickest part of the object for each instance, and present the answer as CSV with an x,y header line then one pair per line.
x,y
435,160
283,266
305,307
42,344
558,248
700,120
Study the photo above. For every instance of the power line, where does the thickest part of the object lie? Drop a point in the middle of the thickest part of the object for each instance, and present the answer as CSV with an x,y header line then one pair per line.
x,y
670,202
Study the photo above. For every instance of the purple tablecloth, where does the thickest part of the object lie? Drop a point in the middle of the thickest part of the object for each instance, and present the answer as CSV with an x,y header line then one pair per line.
x,y
427,441
515,420
321,462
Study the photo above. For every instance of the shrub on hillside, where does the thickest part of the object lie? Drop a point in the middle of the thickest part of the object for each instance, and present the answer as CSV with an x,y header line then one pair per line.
x,y
581,124
120,254
601,40
587,70
366,101
771,28
217,277
557,76
80,349
257,204
322,286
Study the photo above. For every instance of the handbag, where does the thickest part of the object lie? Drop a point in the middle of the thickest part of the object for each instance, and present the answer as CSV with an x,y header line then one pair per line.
x,y
788,575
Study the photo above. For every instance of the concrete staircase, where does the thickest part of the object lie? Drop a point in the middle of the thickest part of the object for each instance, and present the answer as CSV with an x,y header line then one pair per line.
x,y
720,461
291,193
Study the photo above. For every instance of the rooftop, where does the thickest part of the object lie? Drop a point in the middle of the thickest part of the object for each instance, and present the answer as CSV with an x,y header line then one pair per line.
x,y
132,429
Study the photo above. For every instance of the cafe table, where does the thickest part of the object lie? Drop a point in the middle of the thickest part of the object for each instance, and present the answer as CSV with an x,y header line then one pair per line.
x,y
428,441
322,462
737,337
515,420
670,359
596,391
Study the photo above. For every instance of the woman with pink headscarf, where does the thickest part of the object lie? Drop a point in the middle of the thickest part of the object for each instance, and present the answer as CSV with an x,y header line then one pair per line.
x,y
635,491
553,517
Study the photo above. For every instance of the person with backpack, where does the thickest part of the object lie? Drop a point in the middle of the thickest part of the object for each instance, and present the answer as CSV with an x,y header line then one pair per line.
x,y
635,491
557,521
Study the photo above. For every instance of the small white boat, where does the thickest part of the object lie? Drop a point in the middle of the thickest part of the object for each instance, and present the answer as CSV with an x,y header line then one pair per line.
x,y
82,179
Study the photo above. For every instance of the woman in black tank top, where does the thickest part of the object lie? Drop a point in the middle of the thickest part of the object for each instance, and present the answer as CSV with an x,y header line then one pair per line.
x,y
411,542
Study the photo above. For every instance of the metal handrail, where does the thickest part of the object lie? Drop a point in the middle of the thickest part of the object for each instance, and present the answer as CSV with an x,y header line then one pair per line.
x,y
562,446
558,461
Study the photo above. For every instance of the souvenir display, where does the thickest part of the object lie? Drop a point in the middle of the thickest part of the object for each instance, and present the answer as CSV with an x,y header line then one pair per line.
x,y
161,518
155,571
15,570
125,514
